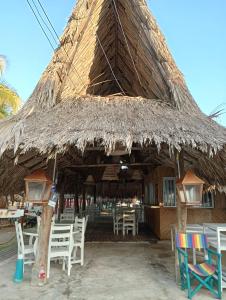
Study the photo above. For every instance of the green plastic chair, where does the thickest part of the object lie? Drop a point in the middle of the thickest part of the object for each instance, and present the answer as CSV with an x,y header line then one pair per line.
x,y
207,274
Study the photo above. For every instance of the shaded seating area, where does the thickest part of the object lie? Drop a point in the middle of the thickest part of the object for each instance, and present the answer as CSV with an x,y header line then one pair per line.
x,y
66,243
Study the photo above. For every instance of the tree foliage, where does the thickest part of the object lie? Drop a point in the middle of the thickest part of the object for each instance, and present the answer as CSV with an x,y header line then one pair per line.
x,y
9,100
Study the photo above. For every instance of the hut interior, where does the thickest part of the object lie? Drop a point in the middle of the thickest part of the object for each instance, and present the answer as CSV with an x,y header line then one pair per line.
x,y
114,108
97,184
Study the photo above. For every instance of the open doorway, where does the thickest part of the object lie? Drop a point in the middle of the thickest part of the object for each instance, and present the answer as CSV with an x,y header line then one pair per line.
x,y
109,189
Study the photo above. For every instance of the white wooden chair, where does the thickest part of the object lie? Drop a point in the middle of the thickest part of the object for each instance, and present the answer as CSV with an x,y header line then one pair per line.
x,y
79,240
86,221
117,222
26,251
129,223
67,217
60,245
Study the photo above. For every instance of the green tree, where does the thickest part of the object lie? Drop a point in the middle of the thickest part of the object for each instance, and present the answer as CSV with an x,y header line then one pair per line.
x,y
9,100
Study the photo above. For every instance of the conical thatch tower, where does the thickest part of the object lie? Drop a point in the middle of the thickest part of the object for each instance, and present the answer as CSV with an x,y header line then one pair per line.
x,y
112,80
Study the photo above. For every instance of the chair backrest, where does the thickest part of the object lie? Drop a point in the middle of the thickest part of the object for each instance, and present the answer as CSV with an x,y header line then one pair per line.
x,y
80,225
67,217
61,236
86,221
129,217
191,241
20,238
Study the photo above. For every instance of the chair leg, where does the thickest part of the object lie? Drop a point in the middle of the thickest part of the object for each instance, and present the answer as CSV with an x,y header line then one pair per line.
x,y
188,285
69,266
63,266
82,255
48,268
75,253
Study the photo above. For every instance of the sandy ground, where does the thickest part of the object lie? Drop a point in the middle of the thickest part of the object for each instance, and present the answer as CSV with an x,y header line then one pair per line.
x,y
112,271
6,234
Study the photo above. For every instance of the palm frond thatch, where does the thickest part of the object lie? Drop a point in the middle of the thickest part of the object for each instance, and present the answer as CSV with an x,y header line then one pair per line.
x,y
111,82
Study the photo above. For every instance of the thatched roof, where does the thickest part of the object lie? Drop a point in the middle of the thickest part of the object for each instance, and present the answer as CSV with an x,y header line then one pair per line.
x,y
83,120
112,79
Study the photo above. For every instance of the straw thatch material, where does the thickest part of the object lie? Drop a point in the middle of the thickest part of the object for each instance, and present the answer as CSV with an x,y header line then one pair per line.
x,y
109,120
112,79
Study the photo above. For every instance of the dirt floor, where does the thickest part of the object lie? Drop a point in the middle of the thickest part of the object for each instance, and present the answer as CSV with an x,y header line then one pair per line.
x,y
112,271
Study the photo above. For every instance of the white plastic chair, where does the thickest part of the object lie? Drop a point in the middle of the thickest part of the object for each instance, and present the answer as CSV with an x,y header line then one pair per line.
x,y
25,251
60,245
79,240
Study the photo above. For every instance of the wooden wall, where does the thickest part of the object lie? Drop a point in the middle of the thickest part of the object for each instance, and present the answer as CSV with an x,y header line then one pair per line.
x,y
160,219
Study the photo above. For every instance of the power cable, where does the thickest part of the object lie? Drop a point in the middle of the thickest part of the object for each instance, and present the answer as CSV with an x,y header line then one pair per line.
x,y
108,62
43,30
127,44
58,38
44,11
44,22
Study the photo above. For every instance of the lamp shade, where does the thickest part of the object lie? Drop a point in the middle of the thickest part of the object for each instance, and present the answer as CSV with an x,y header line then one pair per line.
x,y
90,180
190,189
111,173
37,187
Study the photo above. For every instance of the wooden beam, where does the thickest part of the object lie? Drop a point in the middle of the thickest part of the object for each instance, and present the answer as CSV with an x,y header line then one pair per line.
x,y
103,149
108,165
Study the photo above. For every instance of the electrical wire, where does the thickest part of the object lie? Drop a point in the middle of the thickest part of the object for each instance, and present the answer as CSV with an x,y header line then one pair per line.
x,y
58,38
44,22
43,30
50,23
126,41
108,62
44,11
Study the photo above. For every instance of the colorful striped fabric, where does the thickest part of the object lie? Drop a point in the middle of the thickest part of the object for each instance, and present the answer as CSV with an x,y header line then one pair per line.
x,y
203,269
191,240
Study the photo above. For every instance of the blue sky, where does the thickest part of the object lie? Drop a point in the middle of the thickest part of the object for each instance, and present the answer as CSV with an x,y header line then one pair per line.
x,y
195,31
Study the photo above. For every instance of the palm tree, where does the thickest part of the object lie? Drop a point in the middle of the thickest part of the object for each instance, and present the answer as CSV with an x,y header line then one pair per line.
x,y
9,99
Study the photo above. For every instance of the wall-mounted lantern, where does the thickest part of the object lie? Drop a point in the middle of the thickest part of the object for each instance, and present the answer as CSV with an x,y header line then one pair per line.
x,y
190,189
37,187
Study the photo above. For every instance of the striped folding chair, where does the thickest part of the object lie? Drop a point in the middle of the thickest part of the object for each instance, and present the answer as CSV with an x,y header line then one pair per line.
x,y
207,273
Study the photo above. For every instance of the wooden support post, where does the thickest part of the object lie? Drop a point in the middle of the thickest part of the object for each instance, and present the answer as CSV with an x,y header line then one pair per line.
x,y
83,198
76,200
61,203
181,209
43,244
95,194
39,270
